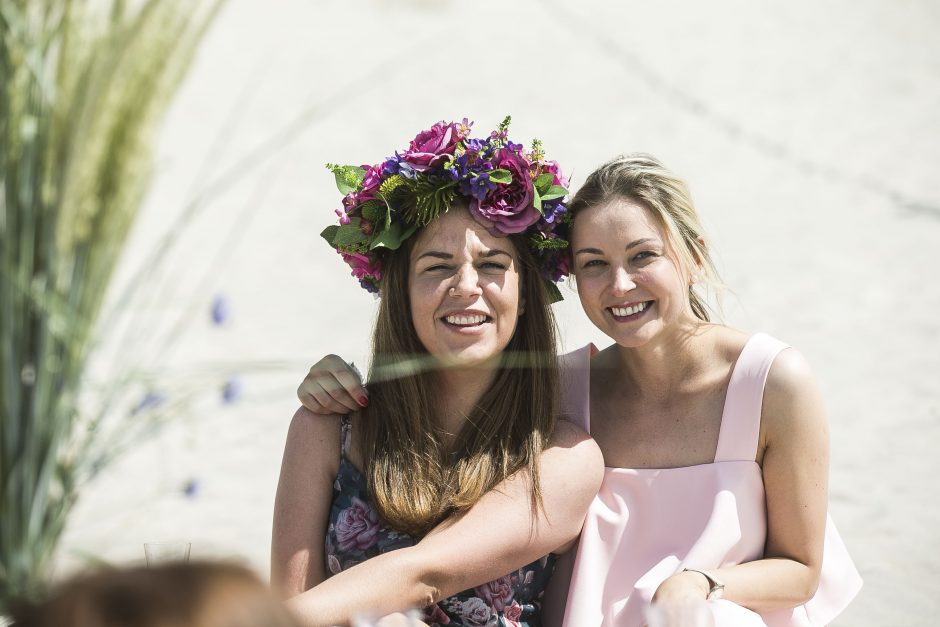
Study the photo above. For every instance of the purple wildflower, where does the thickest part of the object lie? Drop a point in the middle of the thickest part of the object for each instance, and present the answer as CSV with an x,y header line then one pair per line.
x,y
151,400
220,310
231,391
192,488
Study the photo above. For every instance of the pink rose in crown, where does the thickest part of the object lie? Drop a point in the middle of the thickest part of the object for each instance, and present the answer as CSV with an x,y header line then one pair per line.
x,y
362,266
371,180
370,185
508,207
431,147
357,526
498,594
553,168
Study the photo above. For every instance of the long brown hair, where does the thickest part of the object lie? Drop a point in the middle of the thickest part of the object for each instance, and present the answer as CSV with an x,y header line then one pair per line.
x,y
644,179
415,481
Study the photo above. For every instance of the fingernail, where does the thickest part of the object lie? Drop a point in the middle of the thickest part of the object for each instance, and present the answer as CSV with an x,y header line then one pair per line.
x,y
364,401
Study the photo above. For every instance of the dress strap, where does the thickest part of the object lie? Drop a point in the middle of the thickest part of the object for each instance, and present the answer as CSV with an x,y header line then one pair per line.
x,y
740,419
346,425
575,378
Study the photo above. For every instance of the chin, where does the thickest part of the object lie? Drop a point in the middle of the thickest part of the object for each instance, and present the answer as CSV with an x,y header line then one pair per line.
x,y
469,356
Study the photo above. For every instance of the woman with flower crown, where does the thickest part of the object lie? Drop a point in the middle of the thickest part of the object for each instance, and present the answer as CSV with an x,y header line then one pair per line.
x,y
454,488
715,441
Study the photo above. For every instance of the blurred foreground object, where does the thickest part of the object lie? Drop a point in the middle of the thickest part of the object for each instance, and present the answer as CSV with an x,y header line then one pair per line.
x,y
200,594
83,86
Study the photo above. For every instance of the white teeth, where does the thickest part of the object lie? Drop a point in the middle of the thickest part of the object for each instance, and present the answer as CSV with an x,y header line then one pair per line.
x,y
466,320
621,312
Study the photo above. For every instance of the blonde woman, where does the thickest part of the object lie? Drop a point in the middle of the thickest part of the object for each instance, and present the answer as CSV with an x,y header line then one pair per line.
x,y
715,440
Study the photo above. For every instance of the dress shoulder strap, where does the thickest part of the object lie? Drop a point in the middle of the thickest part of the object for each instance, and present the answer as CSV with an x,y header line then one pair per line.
x,y
740,419
346,426
575,378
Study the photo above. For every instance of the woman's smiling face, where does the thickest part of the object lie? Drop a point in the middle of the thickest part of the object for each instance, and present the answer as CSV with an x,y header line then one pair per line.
x,y
463,285
629,282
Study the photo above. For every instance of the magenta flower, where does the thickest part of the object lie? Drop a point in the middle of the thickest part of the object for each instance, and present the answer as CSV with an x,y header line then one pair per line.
x,y
372,179
508,208
431,147
553,168
362,266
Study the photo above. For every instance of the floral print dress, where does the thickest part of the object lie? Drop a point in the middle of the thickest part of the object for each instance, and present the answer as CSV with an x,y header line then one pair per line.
x,y
355,534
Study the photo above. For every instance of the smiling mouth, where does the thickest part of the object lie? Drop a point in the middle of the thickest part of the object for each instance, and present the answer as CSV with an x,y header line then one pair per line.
x,y
472,320
631,312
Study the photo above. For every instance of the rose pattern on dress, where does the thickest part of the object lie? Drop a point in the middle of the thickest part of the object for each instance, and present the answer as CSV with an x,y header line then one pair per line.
x,y
357,526
497,594
356,533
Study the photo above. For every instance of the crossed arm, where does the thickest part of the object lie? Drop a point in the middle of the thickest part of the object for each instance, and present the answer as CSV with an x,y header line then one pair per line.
x,y
502,532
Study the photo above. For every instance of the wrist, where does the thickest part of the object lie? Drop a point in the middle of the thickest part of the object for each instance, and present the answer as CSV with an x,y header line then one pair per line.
x,y
711,586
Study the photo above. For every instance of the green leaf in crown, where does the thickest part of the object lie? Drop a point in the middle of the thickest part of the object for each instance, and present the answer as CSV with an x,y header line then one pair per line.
x,y
348,177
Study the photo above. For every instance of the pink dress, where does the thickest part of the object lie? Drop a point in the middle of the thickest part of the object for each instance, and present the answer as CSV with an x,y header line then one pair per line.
x,y
647,524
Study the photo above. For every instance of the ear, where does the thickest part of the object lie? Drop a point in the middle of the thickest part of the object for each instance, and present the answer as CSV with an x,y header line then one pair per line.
x,y
694,275
521,305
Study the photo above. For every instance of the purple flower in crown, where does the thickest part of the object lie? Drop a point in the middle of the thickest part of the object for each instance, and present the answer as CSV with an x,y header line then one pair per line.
x,y
432,147
508,208
554,211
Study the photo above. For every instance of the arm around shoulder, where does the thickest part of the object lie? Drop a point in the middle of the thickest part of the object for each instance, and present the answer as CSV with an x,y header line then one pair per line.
x,y
506,529
501,533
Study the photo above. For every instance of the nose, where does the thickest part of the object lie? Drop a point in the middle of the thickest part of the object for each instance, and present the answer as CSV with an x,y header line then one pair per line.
x,y
466,282
622,281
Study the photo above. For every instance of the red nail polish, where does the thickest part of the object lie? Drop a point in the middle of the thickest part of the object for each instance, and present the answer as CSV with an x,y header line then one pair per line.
x,y
364,401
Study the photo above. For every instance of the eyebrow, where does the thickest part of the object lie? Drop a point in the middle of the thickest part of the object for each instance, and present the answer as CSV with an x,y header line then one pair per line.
x,y
634,243
439,254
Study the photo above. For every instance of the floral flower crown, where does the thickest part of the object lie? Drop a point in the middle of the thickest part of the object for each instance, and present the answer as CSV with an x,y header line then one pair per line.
x,y
510,190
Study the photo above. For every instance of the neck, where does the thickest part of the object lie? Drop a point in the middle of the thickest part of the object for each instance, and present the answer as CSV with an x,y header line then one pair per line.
x,y
659,367
459,389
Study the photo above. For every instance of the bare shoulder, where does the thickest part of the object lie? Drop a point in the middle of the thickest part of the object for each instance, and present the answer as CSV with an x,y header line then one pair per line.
x,y
790,375
574,453
793,404
314,440
311,428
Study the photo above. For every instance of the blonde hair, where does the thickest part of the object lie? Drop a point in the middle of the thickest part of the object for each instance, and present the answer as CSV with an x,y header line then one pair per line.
x,y
644,179
414,480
